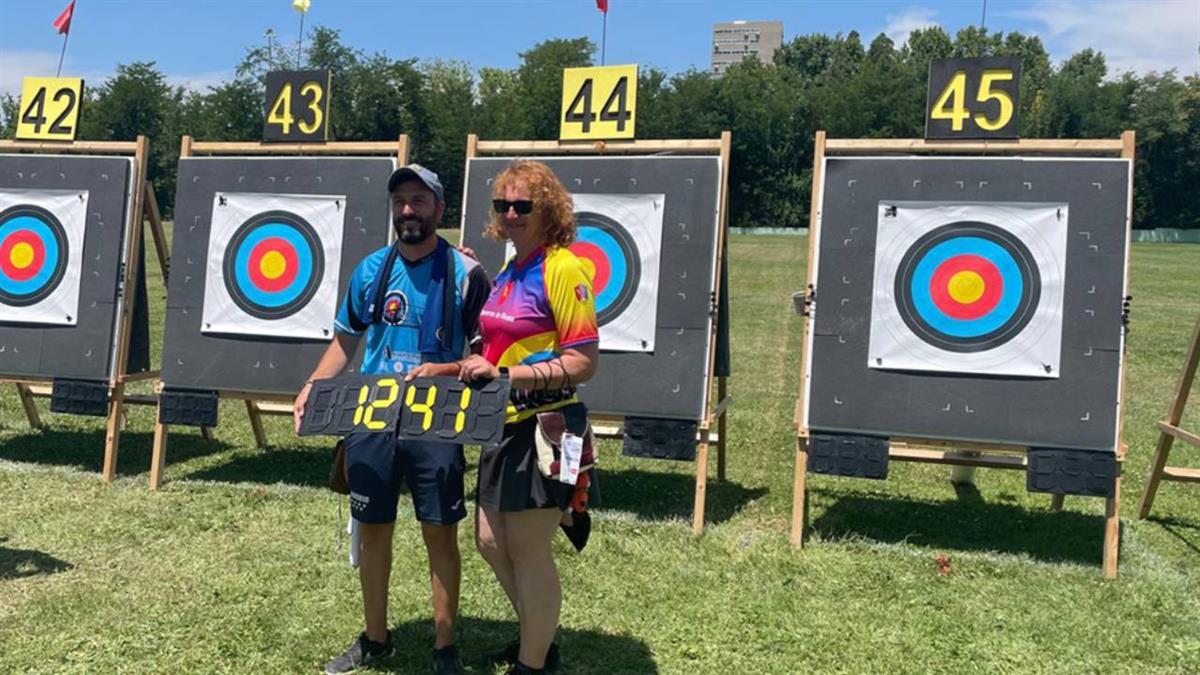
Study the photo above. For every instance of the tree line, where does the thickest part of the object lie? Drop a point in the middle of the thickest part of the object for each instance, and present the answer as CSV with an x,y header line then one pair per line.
x,y
817,81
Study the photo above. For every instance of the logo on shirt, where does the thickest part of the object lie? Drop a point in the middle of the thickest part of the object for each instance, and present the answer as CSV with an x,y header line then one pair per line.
x,y
395,308
581,292
504,292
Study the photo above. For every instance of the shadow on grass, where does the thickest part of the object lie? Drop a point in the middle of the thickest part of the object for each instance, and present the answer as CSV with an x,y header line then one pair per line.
x,y
967,523
651,494
306,467
18,563
84,449
583,651
1185,531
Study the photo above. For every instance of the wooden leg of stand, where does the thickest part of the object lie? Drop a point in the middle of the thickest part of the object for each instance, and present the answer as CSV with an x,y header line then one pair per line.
x,y
798,495
27,402
1112,531
207,434
721,386
1156,471
701,483
260,436
1056,502
158,456
112,438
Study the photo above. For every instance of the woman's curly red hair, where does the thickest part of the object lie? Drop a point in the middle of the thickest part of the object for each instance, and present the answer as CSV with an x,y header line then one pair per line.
x,y
551,201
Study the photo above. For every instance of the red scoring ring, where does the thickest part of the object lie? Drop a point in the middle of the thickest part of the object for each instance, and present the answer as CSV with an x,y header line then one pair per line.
x,y
993,287
39,255
594,253
291,266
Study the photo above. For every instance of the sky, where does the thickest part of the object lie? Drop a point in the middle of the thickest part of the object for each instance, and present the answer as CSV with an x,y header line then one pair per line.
x,y
198,43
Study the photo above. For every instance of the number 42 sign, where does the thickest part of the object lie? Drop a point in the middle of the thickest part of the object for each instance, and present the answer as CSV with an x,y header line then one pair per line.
x,y
598,103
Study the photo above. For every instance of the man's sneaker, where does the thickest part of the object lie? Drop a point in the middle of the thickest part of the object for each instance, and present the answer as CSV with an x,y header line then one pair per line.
x,y
362,652
519,668
446,661
511,651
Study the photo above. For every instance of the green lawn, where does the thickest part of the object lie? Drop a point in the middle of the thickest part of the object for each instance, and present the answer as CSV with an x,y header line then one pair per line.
x,y
234,565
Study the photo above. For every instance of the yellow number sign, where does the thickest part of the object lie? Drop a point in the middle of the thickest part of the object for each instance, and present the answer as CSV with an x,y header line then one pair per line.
x,y
49,109
598,103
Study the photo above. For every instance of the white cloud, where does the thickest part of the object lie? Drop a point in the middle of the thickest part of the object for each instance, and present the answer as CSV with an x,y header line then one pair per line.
x,y
900,26
16,65
200,82
1134,36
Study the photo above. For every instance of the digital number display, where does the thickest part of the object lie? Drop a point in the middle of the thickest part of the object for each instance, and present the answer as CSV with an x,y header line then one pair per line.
x,y
441,409
297,106
973,98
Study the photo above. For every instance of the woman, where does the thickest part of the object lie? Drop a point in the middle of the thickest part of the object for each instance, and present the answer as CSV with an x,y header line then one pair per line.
x,y
539,330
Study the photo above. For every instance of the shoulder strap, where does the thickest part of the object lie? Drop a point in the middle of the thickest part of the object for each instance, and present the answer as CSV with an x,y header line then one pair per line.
x,y
380,285
449,289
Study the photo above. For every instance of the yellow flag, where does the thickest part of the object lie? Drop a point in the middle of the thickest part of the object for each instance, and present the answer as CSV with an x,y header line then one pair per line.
x,y
301,5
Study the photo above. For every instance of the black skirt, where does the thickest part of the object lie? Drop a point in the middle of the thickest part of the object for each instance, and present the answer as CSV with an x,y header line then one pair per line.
x,y
509,479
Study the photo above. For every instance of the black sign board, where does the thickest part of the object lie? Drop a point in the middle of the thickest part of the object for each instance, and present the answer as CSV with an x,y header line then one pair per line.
x,y
973,98
297,106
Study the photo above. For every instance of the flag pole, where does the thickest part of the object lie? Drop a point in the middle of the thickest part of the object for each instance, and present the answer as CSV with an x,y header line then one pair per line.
x,y
63,54
604,37
300,41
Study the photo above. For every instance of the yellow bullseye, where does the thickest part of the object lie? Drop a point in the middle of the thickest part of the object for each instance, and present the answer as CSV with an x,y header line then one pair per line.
x,y
273,265
965,287
21,255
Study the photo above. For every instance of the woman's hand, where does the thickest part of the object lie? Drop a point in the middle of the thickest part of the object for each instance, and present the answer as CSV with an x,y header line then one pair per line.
x,y
433,370
475,367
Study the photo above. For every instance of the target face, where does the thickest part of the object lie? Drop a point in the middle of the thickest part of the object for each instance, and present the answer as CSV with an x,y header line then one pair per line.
x,y
967,287
273,264
971,288
39,273
619,242
611,258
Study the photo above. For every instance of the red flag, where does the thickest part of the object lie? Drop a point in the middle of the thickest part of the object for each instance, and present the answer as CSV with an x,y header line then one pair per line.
x,y
63,23
601,5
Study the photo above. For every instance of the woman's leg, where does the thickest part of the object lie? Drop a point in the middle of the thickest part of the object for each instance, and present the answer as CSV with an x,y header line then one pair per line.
x,y
538,593
492,545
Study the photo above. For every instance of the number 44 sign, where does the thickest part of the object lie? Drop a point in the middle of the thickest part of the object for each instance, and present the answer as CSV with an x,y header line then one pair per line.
x,y
598,103
973,98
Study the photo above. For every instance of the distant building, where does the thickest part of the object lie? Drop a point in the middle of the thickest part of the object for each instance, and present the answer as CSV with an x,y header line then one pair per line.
x,y
733,42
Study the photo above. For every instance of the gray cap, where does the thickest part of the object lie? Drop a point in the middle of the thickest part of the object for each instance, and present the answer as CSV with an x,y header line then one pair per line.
x,y
429,178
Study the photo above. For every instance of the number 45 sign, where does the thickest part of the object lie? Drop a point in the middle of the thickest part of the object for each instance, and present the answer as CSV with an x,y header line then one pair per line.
x,y
598,103
973,98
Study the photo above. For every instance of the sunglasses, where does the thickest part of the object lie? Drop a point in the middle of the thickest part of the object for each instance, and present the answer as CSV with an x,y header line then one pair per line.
x,y
521,206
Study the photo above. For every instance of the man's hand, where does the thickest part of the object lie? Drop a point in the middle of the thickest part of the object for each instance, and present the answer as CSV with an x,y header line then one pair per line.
x,y
475,367
432,370
298,406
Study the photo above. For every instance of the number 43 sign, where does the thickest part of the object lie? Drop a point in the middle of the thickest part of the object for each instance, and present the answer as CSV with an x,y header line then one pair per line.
x,y
598,103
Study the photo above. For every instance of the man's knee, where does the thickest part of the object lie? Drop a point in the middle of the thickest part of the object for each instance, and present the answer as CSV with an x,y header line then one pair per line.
x,y
376,534
442,538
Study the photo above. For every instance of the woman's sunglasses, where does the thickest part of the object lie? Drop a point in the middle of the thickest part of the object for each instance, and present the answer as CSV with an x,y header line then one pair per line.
x,y
521,206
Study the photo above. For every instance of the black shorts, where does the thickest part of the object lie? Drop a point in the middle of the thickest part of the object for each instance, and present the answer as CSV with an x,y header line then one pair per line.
x,y
433,472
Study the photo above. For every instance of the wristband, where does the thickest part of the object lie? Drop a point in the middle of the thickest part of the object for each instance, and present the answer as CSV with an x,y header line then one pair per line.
x,y
503,371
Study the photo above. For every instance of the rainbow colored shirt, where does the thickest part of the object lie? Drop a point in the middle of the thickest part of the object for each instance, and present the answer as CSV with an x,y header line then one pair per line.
x,y
538,307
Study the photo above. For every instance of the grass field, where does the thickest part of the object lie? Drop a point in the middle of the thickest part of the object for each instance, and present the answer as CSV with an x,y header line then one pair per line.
x,y
234,565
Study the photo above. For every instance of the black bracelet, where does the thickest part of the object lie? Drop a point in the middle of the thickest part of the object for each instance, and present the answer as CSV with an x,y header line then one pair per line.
x,y
503,371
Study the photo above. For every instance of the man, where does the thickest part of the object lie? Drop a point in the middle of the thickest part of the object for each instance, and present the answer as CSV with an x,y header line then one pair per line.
x,y
410,325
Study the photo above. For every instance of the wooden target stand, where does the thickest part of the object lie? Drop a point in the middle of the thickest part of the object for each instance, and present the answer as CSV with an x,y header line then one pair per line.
x,y
257,404
1169,430
611,426
144,207
955,453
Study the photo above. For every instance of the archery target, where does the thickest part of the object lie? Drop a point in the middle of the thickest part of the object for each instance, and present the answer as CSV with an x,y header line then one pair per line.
x,y
41,244
619,241
969,288
273,263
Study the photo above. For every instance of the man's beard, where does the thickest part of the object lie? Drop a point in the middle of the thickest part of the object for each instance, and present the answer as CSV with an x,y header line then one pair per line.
x,y
414,230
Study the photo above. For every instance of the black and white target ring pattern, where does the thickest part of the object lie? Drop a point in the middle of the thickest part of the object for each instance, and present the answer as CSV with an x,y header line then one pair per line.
x,y
610,253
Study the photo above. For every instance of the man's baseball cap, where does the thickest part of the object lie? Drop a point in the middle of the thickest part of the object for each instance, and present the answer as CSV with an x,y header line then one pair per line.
x,y
429,178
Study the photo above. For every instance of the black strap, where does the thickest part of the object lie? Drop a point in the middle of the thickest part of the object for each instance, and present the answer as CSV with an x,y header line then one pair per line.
x,y
448,301
381,283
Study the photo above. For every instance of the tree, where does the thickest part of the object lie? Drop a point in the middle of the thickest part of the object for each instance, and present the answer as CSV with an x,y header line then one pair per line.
x,y
540,79
447,94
